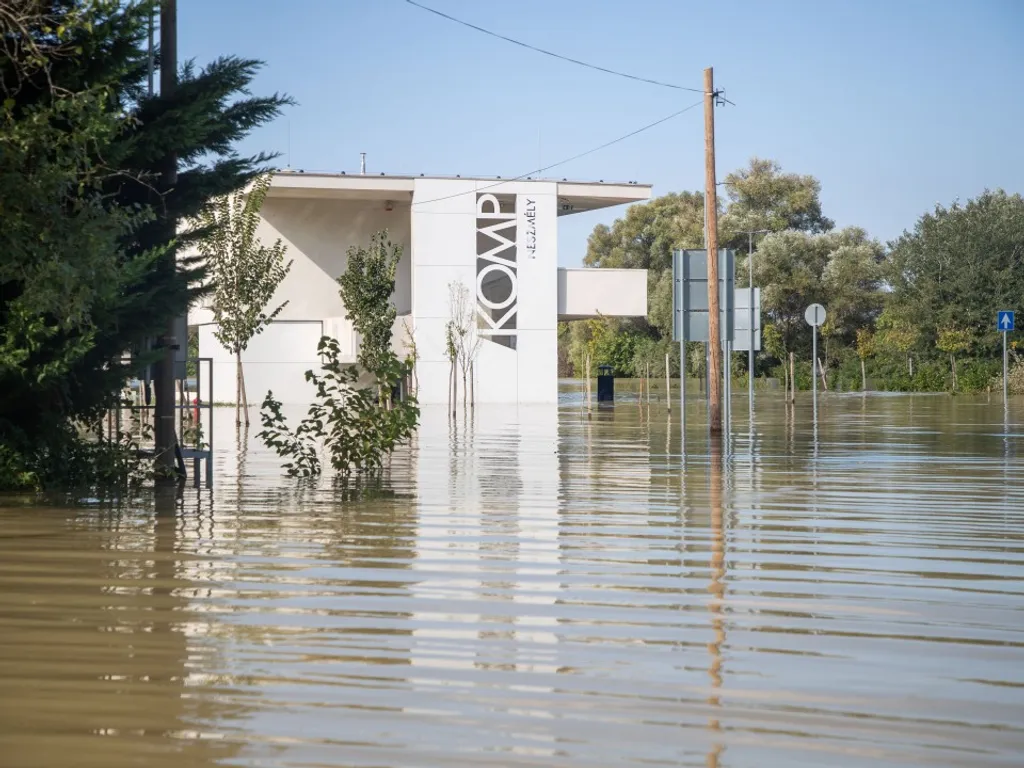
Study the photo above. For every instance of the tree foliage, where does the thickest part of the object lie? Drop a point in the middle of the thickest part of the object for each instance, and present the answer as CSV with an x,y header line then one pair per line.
x,y
358,426
933,290
345,420
366,288
762,197
840,269
959,266
244,272
759,196
82,278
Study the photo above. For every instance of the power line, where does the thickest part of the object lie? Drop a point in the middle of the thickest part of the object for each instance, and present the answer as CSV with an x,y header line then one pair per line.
x,y
569,159
551,53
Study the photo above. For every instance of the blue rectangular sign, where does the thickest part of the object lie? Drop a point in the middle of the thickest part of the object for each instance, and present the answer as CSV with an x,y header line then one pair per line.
x,y
1005,320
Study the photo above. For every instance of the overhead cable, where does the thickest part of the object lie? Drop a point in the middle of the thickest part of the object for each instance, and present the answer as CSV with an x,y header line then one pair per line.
x,y
552,53
568,159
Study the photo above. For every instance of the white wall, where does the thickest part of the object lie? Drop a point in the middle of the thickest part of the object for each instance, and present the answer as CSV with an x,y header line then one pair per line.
x,y
586,293
317,233
444,235
276,360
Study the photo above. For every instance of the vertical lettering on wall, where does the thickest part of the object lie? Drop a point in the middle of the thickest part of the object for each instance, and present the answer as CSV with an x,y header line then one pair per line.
x,y
497,269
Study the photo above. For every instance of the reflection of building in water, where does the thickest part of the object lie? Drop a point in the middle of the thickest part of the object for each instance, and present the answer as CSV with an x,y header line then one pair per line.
x,y
487,545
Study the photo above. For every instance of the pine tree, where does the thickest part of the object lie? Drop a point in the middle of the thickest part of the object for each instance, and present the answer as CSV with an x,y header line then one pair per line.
x,y
95,52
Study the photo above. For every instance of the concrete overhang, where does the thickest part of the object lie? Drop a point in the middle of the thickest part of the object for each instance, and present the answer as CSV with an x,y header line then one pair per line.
x,y
580,196
339,186
573,196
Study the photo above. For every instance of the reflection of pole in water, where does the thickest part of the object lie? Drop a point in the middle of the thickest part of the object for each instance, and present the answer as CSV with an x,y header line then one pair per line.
x,y
717,590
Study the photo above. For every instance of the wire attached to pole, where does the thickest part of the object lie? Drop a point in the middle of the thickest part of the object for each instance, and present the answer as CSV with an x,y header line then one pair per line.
x,y
521,44
568,159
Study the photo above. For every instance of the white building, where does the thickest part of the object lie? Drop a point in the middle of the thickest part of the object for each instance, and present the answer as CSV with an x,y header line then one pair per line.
x,y
499,239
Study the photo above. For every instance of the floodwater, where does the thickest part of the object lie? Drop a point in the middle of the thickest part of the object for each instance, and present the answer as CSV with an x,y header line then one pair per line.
x,y
545,589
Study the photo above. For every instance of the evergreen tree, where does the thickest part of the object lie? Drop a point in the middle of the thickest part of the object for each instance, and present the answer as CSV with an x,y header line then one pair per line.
x,y
102,170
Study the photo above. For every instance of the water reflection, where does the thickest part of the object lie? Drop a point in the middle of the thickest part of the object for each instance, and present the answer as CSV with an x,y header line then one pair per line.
x,y
546,589
102,660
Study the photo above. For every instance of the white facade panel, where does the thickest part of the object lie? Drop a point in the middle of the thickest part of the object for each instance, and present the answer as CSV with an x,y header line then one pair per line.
x,y
318,234
538,380
275,360
432,295
608,292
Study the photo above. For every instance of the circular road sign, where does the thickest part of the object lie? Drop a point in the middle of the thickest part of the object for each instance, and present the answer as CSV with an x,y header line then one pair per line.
x,y
815,315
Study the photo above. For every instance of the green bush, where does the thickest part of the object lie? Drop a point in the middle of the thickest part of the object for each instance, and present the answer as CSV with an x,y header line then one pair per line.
x,y
977,375
357,426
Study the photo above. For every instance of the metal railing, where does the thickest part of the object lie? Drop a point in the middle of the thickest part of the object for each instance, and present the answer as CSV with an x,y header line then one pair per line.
x,y
193,443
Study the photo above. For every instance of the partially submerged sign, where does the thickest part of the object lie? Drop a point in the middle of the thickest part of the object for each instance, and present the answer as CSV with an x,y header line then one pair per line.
x,y
690,294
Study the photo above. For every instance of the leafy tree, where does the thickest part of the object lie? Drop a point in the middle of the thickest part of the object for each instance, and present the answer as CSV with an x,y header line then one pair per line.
x,y
646,236
898,335
358,426
644,239
951,341
761,196
61,272
347,420
865,349
838,269
245,273
775,346
959,265
366,288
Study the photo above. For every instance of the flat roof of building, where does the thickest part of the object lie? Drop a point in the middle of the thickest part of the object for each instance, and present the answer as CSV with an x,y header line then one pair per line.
x,y
575,196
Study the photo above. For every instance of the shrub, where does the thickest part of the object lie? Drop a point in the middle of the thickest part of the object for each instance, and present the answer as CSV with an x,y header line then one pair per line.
x,y
356,426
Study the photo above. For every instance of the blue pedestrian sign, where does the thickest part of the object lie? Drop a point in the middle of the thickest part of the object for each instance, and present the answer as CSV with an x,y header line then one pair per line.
x,y
1004,321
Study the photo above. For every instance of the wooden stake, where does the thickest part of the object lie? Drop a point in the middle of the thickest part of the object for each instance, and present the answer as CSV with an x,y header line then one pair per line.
x,y
792,379
711,215
588,383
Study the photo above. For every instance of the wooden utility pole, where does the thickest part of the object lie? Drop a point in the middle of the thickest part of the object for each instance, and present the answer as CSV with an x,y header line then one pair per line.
x,y
163,428
711,217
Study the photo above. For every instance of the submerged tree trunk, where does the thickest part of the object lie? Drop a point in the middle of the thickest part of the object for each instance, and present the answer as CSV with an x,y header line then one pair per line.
x,y
245,395
238,387
472,387
453,392
863,377
952,364
824,376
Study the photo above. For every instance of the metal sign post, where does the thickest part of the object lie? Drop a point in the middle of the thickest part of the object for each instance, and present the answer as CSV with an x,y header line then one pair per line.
x,y
815,316
690,304
1005,322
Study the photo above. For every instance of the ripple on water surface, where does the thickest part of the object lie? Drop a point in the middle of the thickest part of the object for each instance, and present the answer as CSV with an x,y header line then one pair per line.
x,y
545,589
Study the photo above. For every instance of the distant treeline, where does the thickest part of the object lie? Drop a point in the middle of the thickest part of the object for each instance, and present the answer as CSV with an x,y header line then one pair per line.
x,y
916,314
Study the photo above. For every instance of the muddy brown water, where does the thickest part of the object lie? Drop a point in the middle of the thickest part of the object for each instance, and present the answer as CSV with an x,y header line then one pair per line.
x,y
545,590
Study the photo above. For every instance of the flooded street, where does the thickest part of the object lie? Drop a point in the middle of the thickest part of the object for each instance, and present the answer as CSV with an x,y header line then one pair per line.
x,y
545,590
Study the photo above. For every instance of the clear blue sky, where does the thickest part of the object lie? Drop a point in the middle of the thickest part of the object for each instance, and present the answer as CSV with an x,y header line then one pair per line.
x,y
893,104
